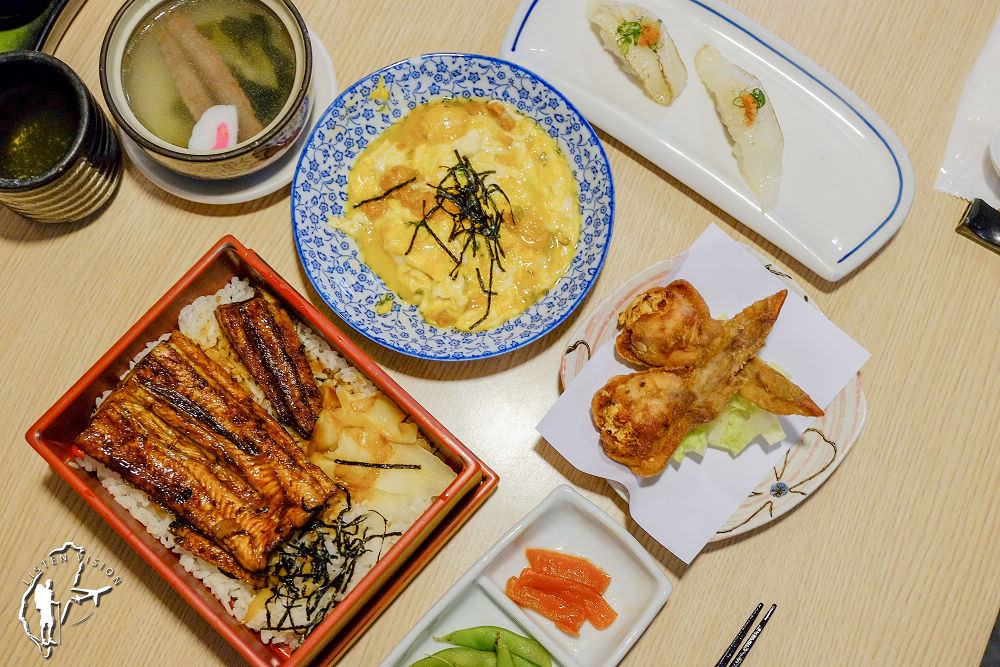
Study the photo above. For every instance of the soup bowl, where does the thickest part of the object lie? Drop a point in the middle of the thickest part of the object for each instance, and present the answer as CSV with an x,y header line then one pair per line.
x,y
249,154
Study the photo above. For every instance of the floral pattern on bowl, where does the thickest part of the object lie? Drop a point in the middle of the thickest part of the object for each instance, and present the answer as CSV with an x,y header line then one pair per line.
x,y
331,259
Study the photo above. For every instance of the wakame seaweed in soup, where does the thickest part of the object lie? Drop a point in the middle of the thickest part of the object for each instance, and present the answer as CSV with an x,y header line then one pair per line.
x,y
189,59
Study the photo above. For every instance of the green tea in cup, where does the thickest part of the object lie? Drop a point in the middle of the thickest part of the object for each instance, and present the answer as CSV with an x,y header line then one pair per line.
x,y
59,156
34,136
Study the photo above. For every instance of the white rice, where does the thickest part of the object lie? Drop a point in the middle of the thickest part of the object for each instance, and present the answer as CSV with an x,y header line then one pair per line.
x,y
336,367
197,322
197,319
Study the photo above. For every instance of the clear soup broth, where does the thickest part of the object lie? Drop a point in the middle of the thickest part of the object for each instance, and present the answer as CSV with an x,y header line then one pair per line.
x,y
187,57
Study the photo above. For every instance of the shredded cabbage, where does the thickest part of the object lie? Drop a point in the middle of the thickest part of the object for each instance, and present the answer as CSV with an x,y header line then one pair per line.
x,y
739,424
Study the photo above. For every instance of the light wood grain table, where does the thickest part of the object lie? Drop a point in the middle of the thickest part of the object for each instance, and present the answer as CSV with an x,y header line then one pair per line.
x,y
896,560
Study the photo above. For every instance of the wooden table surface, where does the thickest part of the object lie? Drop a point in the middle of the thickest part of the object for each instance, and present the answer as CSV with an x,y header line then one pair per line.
x,y
895,559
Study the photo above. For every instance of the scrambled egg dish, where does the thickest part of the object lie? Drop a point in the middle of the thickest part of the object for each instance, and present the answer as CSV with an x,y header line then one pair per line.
x,y
466,209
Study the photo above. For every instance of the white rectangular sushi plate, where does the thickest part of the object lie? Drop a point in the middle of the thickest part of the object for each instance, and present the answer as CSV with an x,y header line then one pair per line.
x,y
846,180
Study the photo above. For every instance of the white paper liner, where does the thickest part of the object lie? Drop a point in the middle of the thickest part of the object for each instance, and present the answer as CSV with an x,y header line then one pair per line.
x,y
683,507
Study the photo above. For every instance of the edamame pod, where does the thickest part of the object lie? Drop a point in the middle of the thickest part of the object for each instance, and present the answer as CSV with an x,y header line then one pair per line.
x,y
504,658
484,638
459,656
463,656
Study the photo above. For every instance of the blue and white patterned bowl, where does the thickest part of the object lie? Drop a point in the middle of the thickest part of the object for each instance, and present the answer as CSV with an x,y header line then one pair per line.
x,y
331,258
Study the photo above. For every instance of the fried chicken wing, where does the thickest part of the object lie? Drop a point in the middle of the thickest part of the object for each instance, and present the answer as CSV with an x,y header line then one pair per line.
x,y
770,390
642,417
718,376
670,328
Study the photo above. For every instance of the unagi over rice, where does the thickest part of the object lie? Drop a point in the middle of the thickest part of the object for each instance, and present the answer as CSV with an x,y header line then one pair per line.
x,y
277,472
182,430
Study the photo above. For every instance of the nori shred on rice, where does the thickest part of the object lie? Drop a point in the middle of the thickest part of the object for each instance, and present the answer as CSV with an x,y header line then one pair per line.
x,y
314,570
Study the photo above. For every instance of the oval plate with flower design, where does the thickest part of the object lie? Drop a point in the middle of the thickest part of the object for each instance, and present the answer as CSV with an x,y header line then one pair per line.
x,y
319,191
806,464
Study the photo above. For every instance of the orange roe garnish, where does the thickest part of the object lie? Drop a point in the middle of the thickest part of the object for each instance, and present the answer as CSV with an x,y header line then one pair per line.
x,y
749,108
650,34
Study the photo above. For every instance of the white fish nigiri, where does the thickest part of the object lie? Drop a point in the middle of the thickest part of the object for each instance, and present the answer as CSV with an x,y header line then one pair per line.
x,y
748,116
639,38
216,130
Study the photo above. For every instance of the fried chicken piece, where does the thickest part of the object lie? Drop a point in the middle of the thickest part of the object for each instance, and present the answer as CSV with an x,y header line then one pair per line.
x,y
642,417
770,390
641,414
670,327
666,327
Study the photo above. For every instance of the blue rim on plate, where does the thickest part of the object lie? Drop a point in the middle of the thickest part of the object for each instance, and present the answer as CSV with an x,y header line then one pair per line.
x,y
331,259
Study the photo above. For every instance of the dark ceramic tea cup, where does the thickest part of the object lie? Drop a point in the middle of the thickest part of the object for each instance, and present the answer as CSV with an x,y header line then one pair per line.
x,y
59,156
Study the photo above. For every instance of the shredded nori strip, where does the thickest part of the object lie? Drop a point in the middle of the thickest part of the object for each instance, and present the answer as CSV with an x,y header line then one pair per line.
x,y
383,466
386,193
314,569
477,211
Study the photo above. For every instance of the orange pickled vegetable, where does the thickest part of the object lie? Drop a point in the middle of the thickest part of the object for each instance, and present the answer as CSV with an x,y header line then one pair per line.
x,y
569,567
595,608
567,616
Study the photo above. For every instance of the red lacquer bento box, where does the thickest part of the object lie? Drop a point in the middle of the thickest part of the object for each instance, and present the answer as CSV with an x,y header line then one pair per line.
x,y
53,434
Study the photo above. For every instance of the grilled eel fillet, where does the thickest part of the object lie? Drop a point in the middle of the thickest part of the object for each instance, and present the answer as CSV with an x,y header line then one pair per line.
x,y
264,337
188,538
182,430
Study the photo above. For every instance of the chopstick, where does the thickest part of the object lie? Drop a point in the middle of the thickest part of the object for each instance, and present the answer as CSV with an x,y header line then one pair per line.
x,y
741,656
724,660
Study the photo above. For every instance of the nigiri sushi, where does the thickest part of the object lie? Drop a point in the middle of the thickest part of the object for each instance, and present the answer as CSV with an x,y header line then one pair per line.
x,y
639,38
748,116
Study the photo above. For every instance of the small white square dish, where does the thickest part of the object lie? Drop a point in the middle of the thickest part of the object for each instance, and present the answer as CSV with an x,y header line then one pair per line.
x,y
567,522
